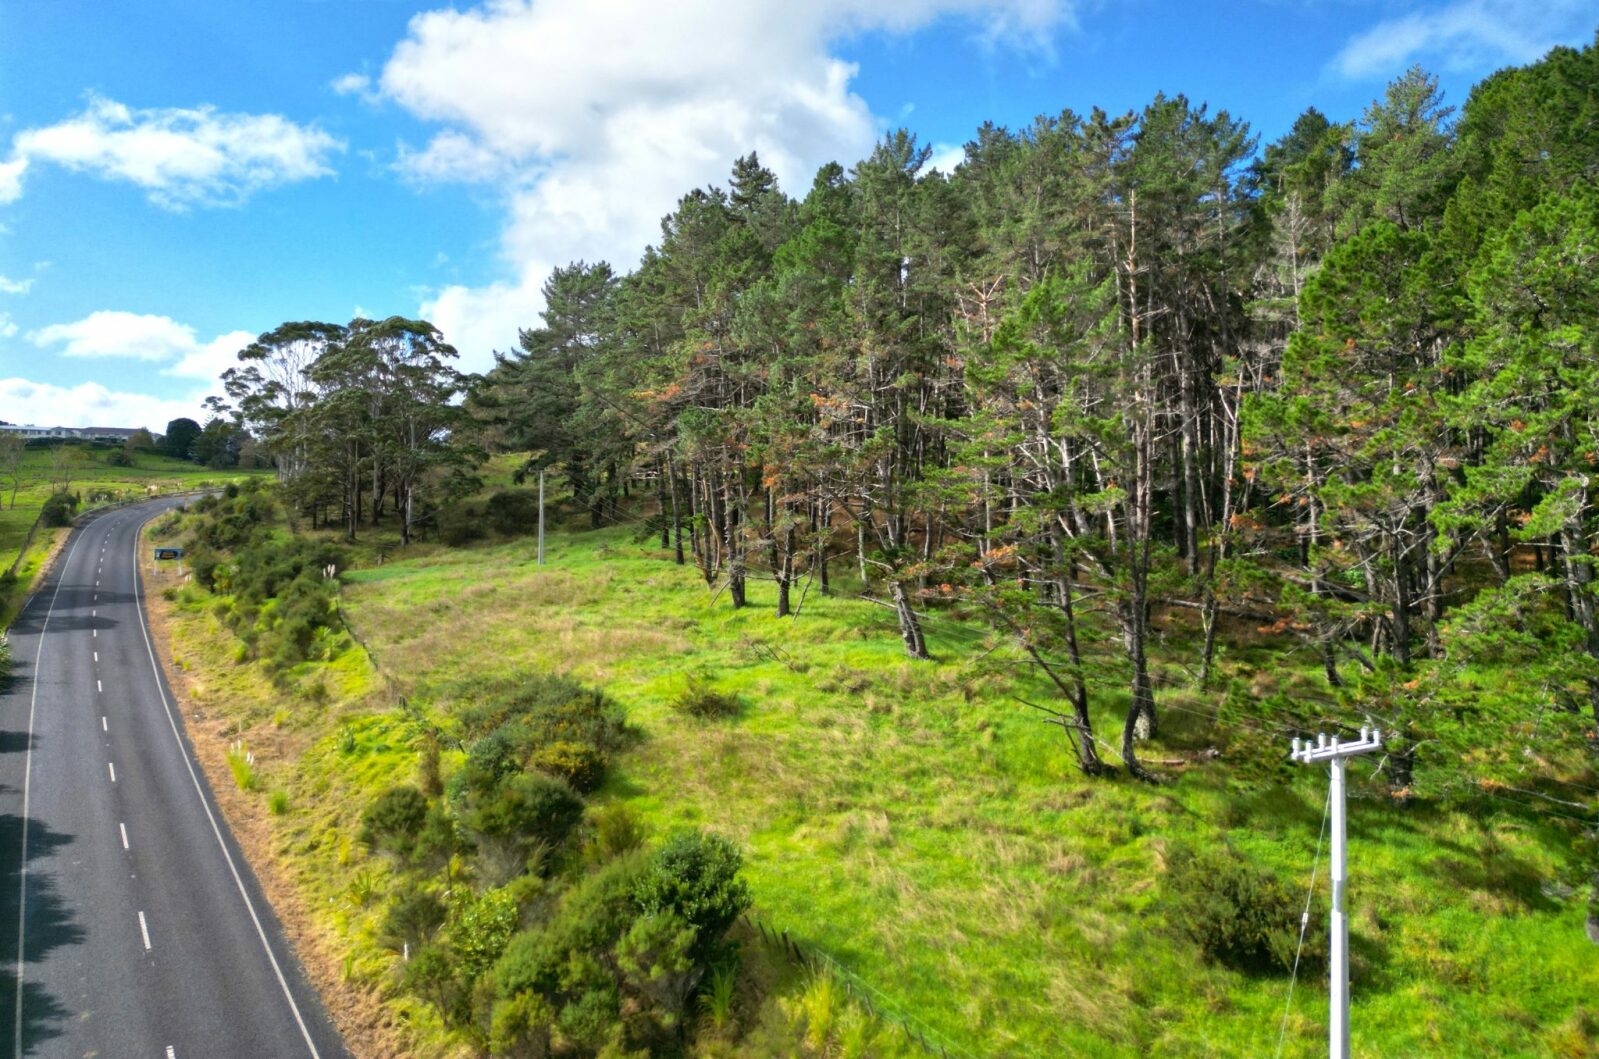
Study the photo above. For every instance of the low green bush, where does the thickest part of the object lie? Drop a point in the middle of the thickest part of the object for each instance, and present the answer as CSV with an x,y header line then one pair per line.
x,y
616,830
513,512
58,509
1237,914
519,821
695,876
413,916
700,698
393,822
579,764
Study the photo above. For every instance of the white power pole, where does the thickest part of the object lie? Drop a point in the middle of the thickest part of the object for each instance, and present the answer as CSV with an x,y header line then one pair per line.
x,y
541,516
1337,754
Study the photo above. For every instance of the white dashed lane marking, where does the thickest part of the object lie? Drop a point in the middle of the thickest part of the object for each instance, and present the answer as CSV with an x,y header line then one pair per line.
x,y
123,828
113,769
144,930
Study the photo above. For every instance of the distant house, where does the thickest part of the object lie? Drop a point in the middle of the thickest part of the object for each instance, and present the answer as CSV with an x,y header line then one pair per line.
x,y
96,435
33,433
107,435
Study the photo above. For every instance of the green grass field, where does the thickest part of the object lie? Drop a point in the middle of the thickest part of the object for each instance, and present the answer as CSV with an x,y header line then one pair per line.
x,y
917,824
98,483
913,822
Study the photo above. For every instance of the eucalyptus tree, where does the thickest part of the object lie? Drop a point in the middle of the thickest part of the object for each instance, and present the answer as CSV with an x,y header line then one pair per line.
x,y
272,382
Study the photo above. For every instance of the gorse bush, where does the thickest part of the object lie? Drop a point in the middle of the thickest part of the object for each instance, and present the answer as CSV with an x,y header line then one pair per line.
x,y
551,724
1237,914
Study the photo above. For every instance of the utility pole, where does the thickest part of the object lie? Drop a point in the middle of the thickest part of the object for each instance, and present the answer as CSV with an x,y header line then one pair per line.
x,y
541,516
1337,755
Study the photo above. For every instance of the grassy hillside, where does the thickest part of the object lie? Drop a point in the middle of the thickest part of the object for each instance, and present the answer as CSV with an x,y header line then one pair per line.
x,y
911,825
920,826
97,482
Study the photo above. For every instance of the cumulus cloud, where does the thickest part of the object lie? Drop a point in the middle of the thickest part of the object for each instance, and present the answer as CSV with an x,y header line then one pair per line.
x,y
946,156
138,336
15,286
1468,36
595,115
11,179
181,157
91,404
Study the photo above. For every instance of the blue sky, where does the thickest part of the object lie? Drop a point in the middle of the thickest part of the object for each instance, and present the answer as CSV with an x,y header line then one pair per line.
x,y
176,177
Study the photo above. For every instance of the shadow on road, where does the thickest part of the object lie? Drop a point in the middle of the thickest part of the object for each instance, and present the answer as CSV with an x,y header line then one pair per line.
x,y
50,925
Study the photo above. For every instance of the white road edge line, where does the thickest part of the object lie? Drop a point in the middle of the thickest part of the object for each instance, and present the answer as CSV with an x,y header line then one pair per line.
x,y
144,931
260,931
123,828
27,783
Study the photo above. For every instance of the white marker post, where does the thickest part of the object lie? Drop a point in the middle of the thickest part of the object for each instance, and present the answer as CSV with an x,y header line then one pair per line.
x,y
1337,754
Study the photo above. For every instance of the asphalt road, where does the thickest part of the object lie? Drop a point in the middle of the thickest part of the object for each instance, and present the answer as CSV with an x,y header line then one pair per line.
x,y
130,924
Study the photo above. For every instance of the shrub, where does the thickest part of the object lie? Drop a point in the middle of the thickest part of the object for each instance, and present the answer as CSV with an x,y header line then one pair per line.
x,y
699,698
513,512
1237,914
526,814
695,876
430,974
520,1027
488,761
58,509
119,458
579,764
7,664
480,928
458,527
436,842
392,823
413,917
617,830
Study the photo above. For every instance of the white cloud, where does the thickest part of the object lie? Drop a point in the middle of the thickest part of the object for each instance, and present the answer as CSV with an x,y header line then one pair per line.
x,y
91,404
11,179
452,156
946,156
158,339
594,116
180,157
1466,36
7,326
15,286
359,85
